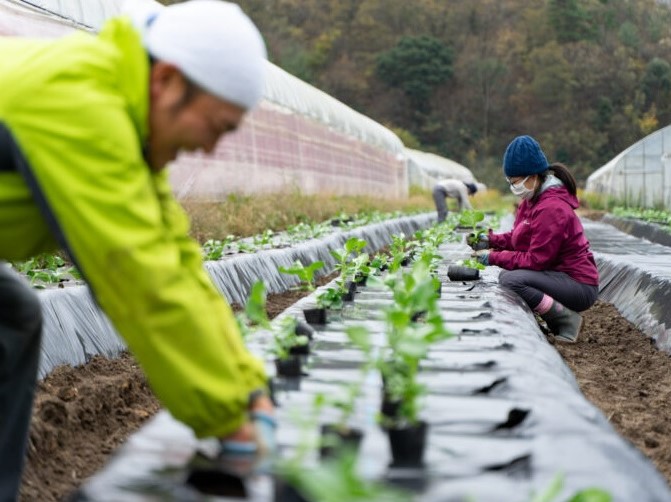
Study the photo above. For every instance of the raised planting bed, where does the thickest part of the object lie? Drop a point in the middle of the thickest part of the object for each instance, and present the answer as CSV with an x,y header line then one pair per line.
x,y
75,329
503,414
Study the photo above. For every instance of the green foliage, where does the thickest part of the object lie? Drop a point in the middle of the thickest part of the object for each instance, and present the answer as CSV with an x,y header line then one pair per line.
x,y
305,274
570,21
416,65
350,261
471,263
659,216
255,308
46,269
336,480
471,218
577,75
407,340
330,298
555,487
285,337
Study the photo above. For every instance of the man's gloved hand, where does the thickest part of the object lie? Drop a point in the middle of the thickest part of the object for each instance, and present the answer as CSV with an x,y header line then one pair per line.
x,y
256,437
266,427
477,244
482,256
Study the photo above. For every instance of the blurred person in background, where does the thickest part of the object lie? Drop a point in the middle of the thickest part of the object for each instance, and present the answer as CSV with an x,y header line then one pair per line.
x,y
546,256
456,189
87,126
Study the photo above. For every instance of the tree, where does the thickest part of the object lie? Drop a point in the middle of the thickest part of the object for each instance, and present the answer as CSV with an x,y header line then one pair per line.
x,y
417,65
569,21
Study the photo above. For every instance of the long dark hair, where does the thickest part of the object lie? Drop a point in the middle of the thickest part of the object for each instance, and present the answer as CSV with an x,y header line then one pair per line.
x,y
561,172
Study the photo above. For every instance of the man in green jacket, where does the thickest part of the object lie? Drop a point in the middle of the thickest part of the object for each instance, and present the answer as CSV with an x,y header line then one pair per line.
x,y
87,125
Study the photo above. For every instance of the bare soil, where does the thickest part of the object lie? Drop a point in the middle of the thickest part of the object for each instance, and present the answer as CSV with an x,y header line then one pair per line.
x,y
621,371
82,414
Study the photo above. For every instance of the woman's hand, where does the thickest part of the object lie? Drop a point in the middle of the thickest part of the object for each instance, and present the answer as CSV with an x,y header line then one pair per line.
x,y
476,243
482,256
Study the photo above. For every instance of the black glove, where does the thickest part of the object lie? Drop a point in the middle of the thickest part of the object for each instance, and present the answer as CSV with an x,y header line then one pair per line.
x,y
478,244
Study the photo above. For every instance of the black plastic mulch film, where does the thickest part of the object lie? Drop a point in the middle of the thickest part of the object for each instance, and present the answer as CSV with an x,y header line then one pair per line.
x,y
505,413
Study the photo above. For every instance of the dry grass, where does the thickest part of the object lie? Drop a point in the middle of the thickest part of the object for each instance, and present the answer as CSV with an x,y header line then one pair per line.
x,y
245,215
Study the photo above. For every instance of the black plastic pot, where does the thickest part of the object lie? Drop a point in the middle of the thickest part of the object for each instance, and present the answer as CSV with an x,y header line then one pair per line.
x,y
334,439
287,493
315,316
349,294
300,350
215,482
417,316
408,444
461,273
361,279
389,408
289,367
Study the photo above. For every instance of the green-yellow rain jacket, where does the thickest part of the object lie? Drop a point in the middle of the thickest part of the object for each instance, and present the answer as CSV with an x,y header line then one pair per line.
x,y
78,109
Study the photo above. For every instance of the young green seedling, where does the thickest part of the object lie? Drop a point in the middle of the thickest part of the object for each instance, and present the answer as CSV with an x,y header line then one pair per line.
x,y
305,274
330,298
285,337
408,341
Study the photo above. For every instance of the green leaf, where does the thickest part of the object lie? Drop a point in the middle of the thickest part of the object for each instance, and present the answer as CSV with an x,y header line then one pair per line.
x,y
256,305
592,495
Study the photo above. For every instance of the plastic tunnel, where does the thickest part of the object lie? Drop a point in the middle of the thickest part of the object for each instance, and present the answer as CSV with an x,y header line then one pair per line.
x,y
425,169
640,175
298,138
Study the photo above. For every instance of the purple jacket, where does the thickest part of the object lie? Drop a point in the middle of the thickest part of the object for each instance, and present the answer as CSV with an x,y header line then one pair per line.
x,y
546,235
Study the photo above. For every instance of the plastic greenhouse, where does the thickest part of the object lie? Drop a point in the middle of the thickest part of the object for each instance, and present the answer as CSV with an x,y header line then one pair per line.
x,y
297,138
425,169
639,176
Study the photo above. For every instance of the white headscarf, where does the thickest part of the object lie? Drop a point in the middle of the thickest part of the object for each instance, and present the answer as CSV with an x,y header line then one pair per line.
x,y
212,42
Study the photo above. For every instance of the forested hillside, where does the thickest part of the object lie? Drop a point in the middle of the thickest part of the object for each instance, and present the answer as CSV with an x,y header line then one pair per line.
x,y
463,77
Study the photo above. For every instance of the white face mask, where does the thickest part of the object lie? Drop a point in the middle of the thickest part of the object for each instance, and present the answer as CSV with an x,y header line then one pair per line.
x,y
520,190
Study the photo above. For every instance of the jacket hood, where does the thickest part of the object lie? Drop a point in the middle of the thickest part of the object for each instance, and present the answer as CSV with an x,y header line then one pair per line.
x,y
560,193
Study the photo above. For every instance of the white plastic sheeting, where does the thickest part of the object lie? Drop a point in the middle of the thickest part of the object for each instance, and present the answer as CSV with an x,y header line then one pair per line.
x,y
298,138
20,20
640,175
425,169
86,14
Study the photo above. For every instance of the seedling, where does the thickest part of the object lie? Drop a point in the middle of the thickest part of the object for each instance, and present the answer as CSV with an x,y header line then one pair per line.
x,y
553,491
397,250
408,341
471,218
379,263
255,309
264,239
214,249
336,480
471,263
46,269
305,274
348,265
285,338
330,298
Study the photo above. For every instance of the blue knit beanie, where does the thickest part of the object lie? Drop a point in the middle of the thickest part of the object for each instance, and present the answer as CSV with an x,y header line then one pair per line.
x,y
524,157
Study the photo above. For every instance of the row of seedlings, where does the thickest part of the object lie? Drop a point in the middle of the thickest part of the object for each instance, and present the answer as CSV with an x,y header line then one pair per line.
x,y
413,322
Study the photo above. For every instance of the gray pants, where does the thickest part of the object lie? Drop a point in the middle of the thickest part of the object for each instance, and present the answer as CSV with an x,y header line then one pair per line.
x,y
20,334
531,285
439,198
